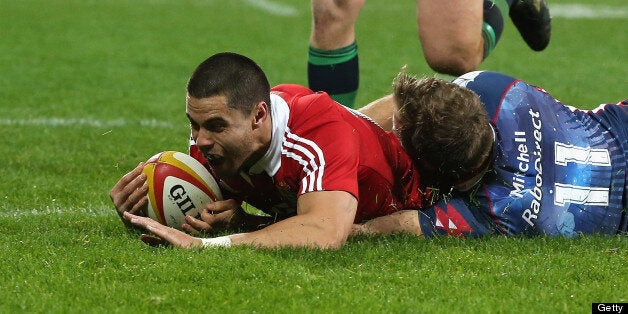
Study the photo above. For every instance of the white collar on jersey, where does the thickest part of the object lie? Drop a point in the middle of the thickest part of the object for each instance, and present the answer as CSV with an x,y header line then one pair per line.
x,y
279,114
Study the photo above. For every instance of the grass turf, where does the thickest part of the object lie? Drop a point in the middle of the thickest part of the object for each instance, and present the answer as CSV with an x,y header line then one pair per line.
x,y
90,88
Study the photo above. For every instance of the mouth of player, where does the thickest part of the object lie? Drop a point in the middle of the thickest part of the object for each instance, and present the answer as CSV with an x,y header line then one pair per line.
x,y
214,160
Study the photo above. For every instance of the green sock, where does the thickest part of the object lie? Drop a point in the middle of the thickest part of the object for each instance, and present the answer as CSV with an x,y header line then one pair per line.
x,y
494,12
335,72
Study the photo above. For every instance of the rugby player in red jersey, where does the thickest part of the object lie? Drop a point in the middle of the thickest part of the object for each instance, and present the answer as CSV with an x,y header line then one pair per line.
x,y
314,166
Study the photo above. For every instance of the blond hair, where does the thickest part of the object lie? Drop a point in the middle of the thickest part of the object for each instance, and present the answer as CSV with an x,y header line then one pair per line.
x,y
443,126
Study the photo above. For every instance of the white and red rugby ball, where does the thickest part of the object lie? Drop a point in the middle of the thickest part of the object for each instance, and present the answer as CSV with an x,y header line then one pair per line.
x,y
178,185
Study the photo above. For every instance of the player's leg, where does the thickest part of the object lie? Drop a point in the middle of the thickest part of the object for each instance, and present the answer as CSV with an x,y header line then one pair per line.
x,y
615,116
456,35
450,34
533,21
621,111
612,217
333,52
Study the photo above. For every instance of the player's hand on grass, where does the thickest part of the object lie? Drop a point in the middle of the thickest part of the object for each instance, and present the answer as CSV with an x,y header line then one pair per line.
x,y
215,217
129,194
161,234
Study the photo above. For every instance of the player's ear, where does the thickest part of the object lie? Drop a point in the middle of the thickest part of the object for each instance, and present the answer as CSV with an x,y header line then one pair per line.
x,y
260,114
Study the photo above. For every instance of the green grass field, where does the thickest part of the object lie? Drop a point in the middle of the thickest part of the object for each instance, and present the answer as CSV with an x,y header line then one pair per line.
x,y
90,88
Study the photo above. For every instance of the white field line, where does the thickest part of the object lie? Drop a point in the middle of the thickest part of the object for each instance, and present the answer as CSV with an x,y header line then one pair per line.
x,y
95,123
56,210
273,8
587,11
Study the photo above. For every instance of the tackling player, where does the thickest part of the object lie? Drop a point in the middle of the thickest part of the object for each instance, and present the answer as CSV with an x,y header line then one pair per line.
x,y
510,159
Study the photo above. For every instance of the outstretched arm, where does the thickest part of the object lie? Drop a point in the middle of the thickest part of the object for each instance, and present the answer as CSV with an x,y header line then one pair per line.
x,y
324,220
404,221
381,111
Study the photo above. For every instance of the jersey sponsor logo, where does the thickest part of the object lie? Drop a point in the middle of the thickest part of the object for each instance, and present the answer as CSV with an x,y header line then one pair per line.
x,y
310,156
451,221
531,214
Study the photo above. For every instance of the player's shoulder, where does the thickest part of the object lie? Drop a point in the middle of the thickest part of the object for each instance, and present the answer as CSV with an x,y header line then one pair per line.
x,y
301,98
489,86
289,91
483,78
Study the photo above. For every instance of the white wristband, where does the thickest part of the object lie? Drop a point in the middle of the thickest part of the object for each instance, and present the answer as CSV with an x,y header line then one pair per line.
x,y
224,241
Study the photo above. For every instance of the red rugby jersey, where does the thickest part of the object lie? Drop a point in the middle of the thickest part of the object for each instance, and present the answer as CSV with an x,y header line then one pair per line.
x,y
320,145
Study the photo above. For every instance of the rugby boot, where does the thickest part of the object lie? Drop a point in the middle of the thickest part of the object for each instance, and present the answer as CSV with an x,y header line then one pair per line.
x,y
533,21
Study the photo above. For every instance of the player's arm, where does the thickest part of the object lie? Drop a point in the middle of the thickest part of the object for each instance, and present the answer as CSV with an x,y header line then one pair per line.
x,y
404,221
381,111
324,220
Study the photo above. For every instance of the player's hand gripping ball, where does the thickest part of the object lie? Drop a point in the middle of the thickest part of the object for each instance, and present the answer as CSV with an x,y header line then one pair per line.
x,y
178,185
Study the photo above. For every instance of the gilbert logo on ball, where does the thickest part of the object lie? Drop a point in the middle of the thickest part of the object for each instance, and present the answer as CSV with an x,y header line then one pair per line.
x,y
178,185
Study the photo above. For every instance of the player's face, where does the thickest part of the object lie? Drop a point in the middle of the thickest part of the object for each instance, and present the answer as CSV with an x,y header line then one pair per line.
x,y
224,135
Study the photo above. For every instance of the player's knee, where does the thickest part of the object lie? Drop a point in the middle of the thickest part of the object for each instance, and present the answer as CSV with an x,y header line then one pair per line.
x,y
459,53
326,14
454,63
333,23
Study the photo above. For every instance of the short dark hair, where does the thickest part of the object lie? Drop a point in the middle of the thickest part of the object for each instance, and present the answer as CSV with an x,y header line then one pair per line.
x,y
235,76
443,127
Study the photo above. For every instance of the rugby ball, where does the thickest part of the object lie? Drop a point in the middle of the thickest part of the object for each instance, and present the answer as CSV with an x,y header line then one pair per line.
x,y
178,185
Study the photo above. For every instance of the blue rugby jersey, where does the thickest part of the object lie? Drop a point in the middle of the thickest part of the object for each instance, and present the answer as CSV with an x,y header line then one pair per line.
x,y
557,170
